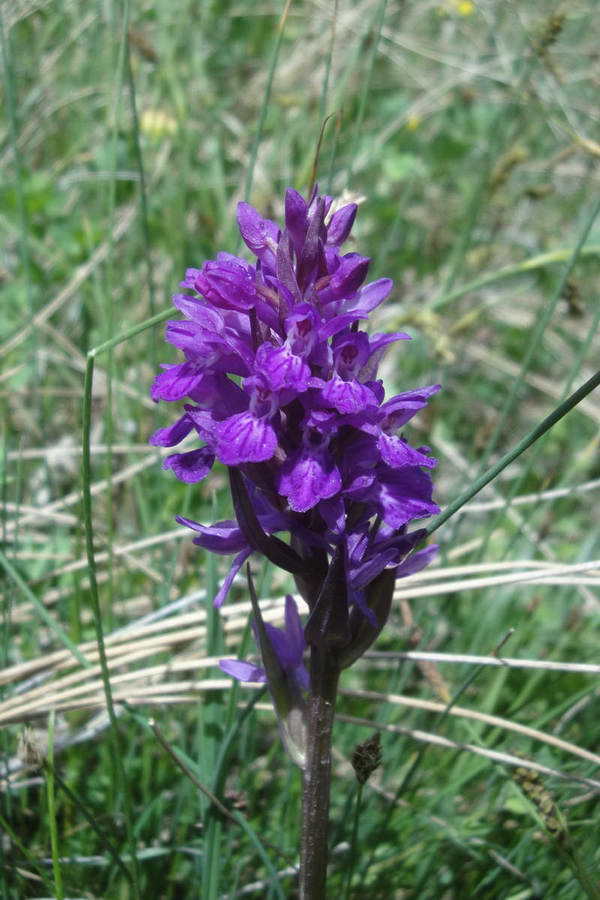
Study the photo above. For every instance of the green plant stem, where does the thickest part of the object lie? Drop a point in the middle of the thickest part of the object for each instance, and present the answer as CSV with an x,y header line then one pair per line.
x,y
518,483
317,774
13,126
233,815
143,194
43,613
377,26
543,320
131,332
528,265
58,885
589,887
354,840
266,99
328,62
8,831
117,756
516,451
89,817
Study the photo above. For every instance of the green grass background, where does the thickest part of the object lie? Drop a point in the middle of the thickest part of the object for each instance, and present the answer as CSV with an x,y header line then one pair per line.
x,y
129,132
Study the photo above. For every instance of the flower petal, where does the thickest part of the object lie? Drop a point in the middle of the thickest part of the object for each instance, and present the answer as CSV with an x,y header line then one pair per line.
x,y
192,466
245,438
294,629
349,276
236,565
369,297
369,570
357,597
243,671
172,434
400,409
176,382
340,224
281,368
397,452
308,477
222,537
347,396
404,495
417,561
296,217
333,513
260,235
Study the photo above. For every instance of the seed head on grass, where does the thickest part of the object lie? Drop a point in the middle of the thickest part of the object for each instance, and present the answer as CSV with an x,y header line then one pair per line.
x,y
531,783
366,758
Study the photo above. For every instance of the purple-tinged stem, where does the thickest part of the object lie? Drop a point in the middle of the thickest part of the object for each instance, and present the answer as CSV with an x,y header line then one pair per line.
x,y
317,774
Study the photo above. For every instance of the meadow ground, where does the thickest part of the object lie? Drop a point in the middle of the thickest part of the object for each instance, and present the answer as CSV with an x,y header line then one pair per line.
x,y
130,131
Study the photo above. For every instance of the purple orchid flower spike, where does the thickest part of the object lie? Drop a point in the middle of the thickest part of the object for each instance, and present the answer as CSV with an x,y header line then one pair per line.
x,y
279,379
279,383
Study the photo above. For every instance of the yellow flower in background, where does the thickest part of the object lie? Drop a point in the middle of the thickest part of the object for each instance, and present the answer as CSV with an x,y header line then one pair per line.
x,y
157,124
457,7
413,121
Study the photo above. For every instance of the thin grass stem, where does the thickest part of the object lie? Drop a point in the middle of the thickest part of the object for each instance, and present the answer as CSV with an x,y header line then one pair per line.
x,y
91,821
540,327
529,439
186,767
328,63
139,159
11,104
376,26
48,620
353,851
532,264
56,867
522,479
266,100
27,854
117,758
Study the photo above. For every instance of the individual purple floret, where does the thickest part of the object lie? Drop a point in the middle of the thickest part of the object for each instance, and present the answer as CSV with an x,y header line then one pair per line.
x,y
288,644
280,385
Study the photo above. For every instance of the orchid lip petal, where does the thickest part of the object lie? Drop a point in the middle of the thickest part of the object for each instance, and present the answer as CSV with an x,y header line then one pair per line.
x,y
244,437
242,670
192,466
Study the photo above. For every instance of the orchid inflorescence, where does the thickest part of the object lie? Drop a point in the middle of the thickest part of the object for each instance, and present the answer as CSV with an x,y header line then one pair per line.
x,y
282,389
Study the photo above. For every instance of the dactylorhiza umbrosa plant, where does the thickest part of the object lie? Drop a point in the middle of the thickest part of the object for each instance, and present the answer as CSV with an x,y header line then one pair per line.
x,y
281,387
